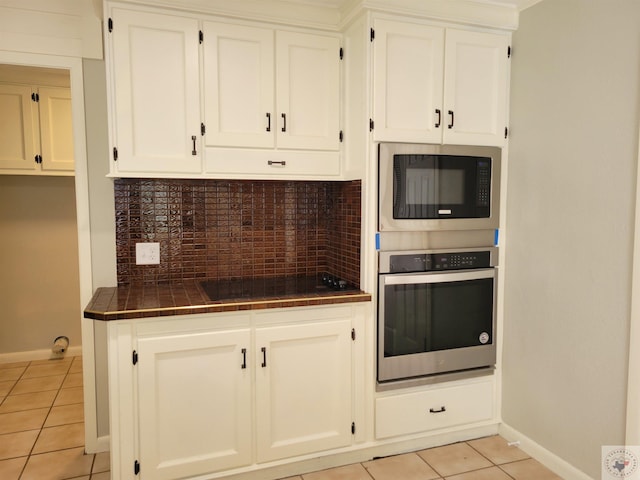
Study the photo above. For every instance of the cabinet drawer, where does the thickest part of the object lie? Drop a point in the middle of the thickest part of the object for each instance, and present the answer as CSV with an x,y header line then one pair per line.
x,y
416,412
272,163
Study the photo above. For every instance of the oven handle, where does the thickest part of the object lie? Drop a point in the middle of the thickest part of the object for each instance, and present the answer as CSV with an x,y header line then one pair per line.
x,y
437,277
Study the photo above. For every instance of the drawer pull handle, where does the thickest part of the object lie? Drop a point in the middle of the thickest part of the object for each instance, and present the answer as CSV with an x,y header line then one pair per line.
x,y
276,162
439,410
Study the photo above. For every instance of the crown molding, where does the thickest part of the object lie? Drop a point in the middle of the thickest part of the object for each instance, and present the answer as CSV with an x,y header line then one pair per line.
x,y
285,12
481,13
334,15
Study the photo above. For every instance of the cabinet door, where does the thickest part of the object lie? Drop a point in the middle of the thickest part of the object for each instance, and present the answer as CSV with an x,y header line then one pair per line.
x,y
308,91
194,403
156,93
56,128
476,88
239,94
303,389
407,82
18,134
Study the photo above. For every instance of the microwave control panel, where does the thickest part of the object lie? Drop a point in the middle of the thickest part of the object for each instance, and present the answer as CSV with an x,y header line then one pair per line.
x,y
484,182
429,262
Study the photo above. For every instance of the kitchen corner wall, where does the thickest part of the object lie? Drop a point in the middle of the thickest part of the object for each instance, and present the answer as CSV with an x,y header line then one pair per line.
x,y
221,229
570,223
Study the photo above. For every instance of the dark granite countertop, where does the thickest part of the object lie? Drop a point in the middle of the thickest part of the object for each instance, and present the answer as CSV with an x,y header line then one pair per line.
x,y
130,302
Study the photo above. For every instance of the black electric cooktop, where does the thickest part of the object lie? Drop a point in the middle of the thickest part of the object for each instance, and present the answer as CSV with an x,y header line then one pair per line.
x,y
273,287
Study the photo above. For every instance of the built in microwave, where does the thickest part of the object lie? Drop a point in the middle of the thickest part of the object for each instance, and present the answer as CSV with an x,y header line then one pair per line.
x,y
438,187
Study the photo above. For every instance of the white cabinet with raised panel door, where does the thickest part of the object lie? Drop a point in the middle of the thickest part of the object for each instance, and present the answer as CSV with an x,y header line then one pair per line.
x,y
303,389
439,85
272,90
37,130
198,394
153,67
194,403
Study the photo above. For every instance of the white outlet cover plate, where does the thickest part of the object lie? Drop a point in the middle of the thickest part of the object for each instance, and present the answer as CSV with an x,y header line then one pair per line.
x,y
148,253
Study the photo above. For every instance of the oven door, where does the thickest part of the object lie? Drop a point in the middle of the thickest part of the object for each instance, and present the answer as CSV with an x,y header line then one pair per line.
x,y
430,323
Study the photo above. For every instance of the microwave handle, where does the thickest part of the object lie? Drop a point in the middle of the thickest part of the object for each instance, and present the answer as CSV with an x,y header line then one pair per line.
x,y
438,277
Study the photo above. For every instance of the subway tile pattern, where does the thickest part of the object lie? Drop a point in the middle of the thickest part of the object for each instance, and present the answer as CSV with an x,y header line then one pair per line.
x,y
221,229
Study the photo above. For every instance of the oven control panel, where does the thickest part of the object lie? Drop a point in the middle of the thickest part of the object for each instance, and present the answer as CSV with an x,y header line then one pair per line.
x,y
428,262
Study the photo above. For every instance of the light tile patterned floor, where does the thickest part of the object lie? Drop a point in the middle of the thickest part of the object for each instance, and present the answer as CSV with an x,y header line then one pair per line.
x,y
42,438
42,423
489,458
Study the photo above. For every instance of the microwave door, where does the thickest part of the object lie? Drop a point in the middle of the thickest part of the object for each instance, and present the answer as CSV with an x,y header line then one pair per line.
x,y
450,190
421,191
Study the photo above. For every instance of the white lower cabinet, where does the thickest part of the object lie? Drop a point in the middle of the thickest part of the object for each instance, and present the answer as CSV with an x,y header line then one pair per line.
x,y
194,399
435,408
206,394
303,389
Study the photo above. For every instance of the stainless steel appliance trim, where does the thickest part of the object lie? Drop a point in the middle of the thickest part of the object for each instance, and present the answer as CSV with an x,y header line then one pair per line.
x,y
431,379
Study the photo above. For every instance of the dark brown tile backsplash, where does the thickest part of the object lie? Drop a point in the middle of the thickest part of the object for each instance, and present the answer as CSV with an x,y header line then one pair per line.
x,y
221,229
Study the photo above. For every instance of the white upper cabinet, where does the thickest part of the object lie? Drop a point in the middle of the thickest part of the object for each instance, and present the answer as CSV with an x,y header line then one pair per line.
x,y
56,129
439,85
155,93
18,137
475,96
308,91
408,76
268,89
36,134
239,85
272,101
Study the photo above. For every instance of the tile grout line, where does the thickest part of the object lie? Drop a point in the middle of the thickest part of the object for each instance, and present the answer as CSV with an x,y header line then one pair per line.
x,y
43,422
492,462
50,409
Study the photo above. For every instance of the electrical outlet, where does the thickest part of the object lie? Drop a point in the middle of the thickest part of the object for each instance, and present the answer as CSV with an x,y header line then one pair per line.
x,y
148,253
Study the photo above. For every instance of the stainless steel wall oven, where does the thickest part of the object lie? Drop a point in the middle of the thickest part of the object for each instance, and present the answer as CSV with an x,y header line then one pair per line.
x,y
436,312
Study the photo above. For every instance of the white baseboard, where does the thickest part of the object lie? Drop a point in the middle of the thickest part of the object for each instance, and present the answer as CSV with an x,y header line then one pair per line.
x,y
559,466
38,355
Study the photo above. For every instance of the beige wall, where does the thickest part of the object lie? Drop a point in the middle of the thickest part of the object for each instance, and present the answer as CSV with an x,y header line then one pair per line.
x,y
102,216
571,198
39,288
